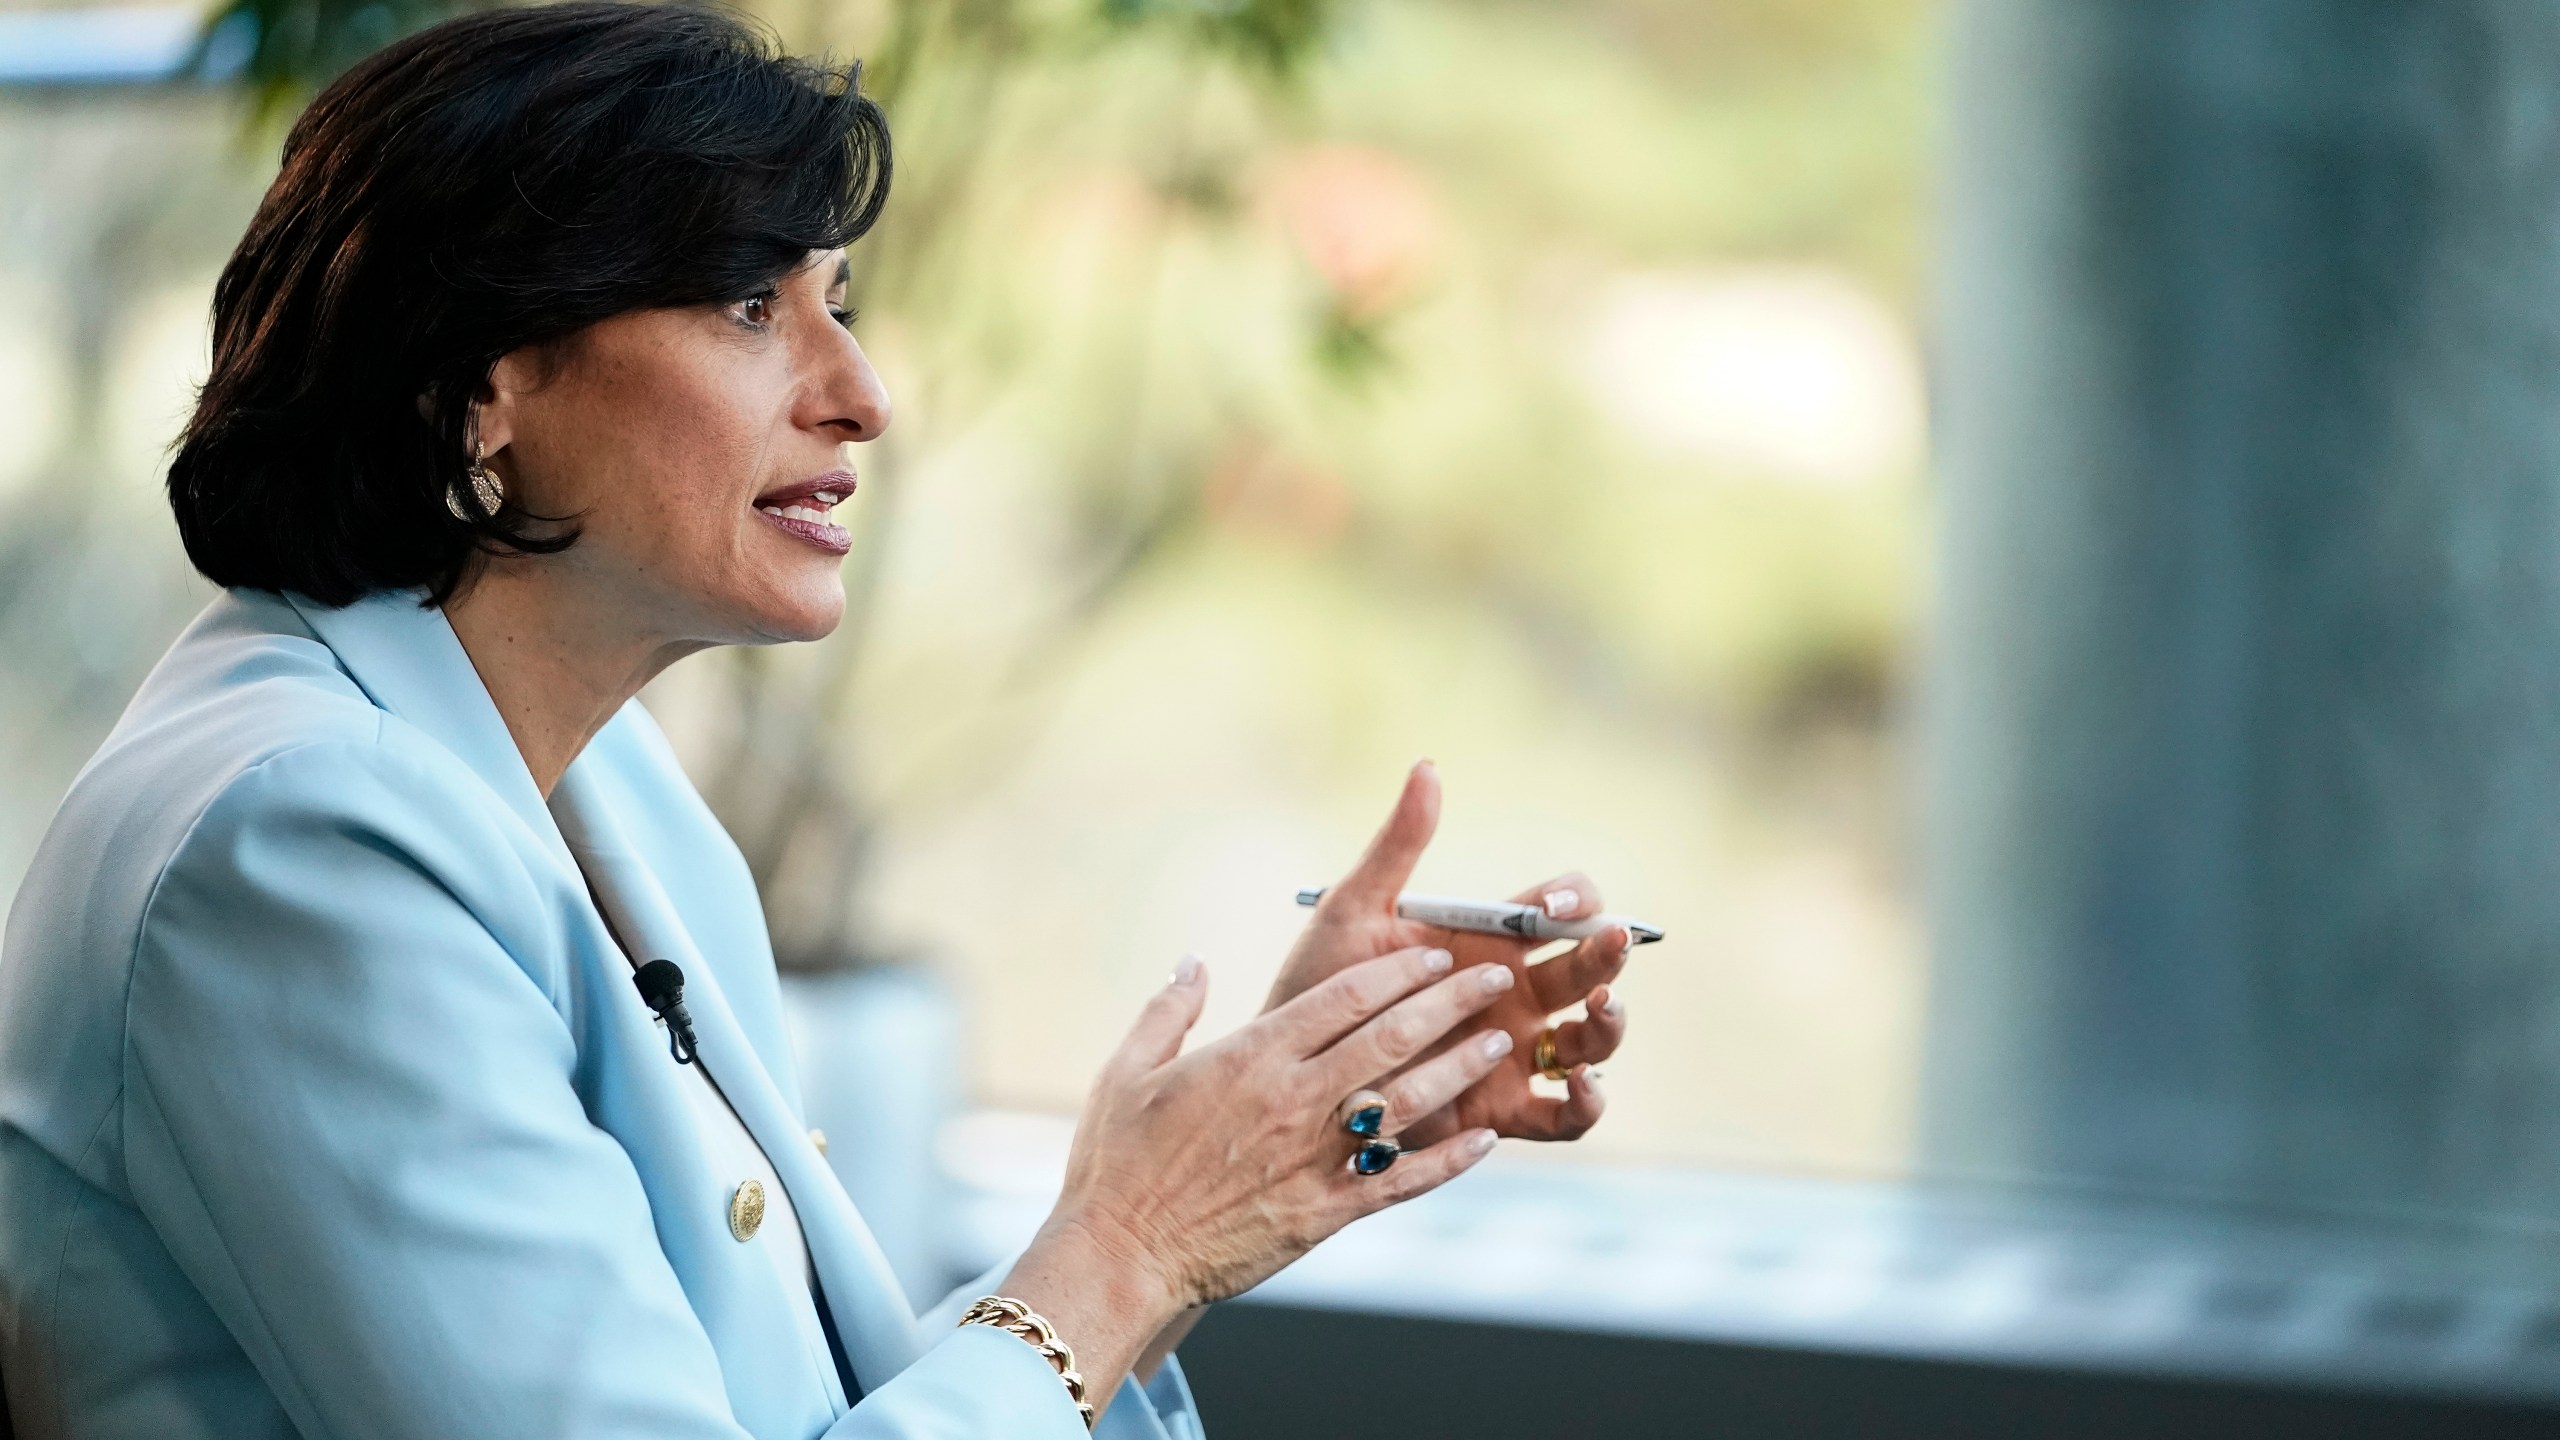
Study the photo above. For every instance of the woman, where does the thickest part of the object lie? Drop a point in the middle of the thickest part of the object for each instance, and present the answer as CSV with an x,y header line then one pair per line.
x,y
341,1090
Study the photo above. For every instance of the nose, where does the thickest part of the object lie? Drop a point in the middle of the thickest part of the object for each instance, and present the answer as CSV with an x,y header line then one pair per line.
x,y
844,396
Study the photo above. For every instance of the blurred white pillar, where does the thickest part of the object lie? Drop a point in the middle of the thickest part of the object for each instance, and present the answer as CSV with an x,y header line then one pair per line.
x,y
2245,703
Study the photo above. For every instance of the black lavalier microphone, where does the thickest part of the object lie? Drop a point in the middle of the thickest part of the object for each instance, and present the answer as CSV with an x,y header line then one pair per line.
x,y
661,985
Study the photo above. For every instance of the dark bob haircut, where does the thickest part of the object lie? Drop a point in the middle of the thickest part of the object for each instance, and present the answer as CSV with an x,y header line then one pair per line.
x,y
497,181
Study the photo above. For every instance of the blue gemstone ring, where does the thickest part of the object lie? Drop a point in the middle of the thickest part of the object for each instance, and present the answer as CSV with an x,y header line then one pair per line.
x,y
1364,1114
1373,1157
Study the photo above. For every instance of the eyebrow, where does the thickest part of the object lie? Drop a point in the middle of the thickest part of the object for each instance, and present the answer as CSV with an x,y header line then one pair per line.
x,y
844,272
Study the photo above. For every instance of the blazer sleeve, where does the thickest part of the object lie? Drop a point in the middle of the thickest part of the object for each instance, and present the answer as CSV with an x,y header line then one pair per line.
x,y
349,1114
1161,1409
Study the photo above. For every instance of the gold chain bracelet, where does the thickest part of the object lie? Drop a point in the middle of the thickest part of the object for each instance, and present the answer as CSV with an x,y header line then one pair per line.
x,y
1017,1319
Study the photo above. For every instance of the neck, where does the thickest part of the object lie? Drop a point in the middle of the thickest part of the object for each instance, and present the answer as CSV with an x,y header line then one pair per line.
x,y
558,663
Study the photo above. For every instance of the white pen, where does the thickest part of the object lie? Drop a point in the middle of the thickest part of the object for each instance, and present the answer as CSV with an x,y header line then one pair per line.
x,y
1501,917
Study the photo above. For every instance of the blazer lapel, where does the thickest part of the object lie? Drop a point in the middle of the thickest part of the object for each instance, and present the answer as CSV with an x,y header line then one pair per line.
x,y
863,1294
406,659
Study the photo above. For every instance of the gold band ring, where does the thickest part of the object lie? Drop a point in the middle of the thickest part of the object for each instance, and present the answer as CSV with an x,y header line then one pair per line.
x,y
1545,1056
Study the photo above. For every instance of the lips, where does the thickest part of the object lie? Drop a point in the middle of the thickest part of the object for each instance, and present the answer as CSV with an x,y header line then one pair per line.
x,y
800,510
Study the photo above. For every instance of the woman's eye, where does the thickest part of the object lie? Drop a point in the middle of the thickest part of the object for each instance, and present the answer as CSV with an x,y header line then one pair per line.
x,y
845,315
756,310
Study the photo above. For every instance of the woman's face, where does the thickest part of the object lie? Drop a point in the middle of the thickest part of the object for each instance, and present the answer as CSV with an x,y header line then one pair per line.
x,y
699,452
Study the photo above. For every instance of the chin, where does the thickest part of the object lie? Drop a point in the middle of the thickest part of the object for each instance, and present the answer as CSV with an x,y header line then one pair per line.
x,y
801,613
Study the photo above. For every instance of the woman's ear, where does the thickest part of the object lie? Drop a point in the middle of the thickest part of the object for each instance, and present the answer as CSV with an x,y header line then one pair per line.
x,y
498,405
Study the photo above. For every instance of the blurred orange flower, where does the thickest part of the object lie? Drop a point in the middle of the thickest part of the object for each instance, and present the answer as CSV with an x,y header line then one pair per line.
x,y
1363,219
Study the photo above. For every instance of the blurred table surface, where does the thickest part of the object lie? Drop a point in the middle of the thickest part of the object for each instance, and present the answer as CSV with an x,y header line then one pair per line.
x,y
2011,1278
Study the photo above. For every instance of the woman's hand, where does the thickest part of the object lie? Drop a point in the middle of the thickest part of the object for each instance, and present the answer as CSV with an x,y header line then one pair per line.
x,y
1357,919
1194,1177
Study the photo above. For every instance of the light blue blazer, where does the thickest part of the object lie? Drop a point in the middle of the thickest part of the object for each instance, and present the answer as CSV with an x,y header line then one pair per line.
x,y
328,1108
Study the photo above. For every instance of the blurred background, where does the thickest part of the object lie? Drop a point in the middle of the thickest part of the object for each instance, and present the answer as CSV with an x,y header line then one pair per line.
x,y
2023,533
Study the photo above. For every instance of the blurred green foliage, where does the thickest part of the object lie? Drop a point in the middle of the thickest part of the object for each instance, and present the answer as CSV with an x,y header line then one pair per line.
x,y
288,49
1132,233
1274,35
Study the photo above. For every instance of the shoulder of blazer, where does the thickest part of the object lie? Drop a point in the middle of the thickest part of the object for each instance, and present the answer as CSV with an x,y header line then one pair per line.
x,y
246,726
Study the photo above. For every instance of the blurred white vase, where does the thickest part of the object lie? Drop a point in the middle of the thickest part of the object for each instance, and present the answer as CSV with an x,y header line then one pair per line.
x,y
879,1056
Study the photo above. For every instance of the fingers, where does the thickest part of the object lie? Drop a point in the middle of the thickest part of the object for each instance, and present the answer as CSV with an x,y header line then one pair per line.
x,y
1595,1038
1168,1016
1570,1118
1327,1012
1560,980
1435,1082
1412,1026
1417,1171
1566,897
1373,883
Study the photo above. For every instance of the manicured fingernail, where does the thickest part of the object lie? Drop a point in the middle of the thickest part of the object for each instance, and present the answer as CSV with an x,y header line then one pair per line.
x,y
1559,901
1615,1007
1496,1045
1496,978
1480,1143
1187,970
1626,939
1436,961
1591,1075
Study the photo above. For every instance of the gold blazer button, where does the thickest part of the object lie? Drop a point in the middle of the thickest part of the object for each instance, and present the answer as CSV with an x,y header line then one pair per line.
x,y
746,1209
